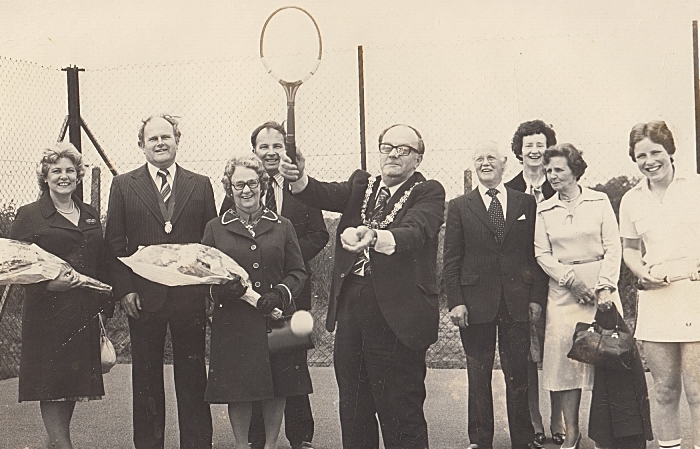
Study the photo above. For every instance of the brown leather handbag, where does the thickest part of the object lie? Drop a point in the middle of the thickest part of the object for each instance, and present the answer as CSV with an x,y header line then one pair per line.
x,y
605,348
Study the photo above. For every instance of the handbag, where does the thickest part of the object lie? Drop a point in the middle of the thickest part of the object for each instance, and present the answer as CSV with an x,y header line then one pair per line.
x,y
292,332
605,348
108,355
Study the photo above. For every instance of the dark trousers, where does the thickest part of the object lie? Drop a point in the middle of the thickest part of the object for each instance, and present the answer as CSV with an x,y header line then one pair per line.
x,y
479,342
298,422
377,375
147,346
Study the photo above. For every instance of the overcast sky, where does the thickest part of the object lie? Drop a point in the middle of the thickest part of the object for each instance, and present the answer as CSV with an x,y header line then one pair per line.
x,y
99,33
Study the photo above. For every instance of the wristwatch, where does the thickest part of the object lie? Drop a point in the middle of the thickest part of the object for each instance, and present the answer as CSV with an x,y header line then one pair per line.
x,y
374,238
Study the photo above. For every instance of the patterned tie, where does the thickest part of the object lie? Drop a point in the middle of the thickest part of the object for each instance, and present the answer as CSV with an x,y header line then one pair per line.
x,y
496,214
362,267
270,201
165,190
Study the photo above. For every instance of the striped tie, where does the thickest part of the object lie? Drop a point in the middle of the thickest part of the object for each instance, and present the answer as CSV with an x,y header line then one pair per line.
x,y
270,199
362,265
164,185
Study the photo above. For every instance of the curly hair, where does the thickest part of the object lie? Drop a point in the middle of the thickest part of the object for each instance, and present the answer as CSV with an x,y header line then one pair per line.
x,y
530,129
51,155
573,156
657,132
247,161
172,119
267,125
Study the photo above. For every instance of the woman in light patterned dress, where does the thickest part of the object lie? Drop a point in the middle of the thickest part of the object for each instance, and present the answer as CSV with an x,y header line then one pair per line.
x,y
578,245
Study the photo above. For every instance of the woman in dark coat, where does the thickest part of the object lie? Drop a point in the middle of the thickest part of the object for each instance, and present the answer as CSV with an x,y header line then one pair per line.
x,y
60,359
264,244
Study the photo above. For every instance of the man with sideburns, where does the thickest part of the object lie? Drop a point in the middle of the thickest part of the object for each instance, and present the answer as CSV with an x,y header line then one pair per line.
x,y
162,202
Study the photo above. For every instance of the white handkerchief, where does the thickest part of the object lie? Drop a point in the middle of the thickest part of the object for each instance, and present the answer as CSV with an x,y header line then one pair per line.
x,y
522,217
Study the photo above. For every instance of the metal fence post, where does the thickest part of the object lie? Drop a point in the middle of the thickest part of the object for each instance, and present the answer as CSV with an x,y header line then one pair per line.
x,y
74,120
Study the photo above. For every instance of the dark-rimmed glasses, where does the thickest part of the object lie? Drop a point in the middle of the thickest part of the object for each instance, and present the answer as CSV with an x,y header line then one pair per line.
x,y
401,150
251,183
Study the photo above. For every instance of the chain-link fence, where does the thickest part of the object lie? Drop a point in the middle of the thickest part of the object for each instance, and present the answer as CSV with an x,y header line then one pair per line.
x,y
497,85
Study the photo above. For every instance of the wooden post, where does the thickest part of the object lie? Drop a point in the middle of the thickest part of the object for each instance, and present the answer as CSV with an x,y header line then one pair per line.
x,y
467,180
95,189
361,81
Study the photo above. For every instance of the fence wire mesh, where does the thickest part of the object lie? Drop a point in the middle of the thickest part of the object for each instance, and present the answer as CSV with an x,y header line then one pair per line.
x,y
219,102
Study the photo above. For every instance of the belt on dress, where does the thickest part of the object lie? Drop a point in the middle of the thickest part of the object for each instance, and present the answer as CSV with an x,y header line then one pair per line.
x,y
579,262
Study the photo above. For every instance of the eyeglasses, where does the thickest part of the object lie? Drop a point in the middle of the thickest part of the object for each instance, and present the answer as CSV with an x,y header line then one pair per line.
x,y
251,183
401,150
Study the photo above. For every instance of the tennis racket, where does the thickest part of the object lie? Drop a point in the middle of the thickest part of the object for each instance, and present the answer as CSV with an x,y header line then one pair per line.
x,y
290,50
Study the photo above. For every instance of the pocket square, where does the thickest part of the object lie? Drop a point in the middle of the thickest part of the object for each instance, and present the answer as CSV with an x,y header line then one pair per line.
x,y
522,217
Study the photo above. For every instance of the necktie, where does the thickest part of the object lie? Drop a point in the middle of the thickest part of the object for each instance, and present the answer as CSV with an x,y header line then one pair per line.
x,y
362,266
165,190
270,201
496,214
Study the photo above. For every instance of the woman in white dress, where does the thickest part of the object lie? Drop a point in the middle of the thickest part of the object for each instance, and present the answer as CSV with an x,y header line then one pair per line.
x,y
577,244
660,212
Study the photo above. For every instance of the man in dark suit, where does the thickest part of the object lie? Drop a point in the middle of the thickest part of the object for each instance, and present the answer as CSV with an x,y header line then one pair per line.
x,y
268,144
384,292
157,203
494,284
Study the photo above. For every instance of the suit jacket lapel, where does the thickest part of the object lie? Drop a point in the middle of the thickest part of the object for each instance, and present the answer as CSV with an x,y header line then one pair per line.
x,y
476,204
184,185
410,182
514,206
144,187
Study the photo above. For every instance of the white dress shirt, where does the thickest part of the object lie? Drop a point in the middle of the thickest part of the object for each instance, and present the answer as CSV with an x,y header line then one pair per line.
x,y
502,196
278,186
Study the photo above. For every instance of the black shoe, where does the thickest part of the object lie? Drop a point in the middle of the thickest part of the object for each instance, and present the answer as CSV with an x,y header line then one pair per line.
x,y
534,445
558,438
540,437
302,445
478,446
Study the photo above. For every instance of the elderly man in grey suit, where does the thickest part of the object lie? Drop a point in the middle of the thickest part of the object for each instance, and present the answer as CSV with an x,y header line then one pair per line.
x,y
494,284
161,202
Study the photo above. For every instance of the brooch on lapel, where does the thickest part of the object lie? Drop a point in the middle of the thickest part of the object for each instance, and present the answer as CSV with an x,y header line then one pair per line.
x,y
90,221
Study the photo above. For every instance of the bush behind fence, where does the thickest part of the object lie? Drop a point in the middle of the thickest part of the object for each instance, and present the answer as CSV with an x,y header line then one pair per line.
x,y
220,102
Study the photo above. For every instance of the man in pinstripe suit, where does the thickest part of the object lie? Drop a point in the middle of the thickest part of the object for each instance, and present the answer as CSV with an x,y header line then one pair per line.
x,y
161,202
494,284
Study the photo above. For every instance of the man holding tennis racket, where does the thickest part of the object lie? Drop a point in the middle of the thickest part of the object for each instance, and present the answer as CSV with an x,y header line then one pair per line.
x,y
384,297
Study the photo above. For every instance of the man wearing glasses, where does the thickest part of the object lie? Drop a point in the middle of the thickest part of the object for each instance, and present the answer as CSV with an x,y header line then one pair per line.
x,y
384,297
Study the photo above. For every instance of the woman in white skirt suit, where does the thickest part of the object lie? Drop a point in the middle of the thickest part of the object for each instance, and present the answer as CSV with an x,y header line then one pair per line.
x,y
661,213
577,244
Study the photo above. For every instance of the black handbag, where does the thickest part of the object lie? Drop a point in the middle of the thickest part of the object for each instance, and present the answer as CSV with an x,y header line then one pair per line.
x,y
292,332
605,348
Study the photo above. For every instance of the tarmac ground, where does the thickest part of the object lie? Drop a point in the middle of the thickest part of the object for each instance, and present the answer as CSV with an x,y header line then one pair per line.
x,y
107,423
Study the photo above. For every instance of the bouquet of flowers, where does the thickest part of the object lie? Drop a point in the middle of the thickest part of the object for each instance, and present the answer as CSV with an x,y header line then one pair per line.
x,y
27,263
174,264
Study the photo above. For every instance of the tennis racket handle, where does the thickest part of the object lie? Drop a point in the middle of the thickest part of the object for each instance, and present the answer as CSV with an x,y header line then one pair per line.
x,y
290,141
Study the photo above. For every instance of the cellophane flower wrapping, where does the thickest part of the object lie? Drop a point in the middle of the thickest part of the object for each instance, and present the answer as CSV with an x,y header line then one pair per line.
x,y
176,264
27,263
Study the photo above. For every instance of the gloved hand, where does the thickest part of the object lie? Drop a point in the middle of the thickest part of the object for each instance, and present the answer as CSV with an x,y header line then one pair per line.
x,y
274,299
231,290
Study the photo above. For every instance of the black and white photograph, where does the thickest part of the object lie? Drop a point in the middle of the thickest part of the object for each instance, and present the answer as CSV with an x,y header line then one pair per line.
x,y
324,224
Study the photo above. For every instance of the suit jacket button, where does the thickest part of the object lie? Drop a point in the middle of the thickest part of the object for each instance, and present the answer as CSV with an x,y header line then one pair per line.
x,y
253,247
256,265
342,275
257,284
